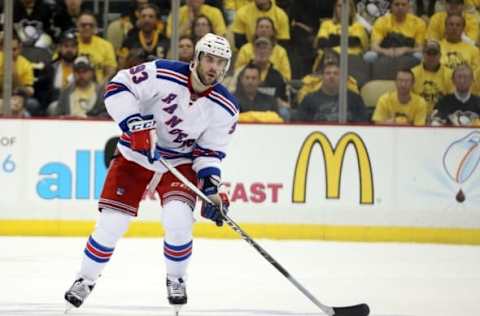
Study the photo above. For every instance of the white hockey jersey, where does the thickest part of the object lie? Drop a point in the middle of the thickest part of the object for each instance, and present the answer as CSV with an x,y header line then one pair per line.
x,y
190,127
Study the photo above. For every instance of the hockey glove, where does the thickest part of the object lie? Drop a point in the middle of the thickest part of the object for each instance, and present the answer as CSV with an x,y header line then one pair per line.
x,y
142,135
210,187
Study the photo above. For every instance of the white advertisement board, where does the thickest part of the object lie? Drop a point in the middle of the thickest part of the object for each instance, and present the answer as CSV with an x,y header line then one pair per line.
x,y
277,174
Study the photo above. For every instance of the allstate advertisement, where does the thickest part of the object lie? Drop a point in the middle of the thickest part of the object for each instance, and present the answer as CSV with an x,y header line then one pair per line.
x,y
295,174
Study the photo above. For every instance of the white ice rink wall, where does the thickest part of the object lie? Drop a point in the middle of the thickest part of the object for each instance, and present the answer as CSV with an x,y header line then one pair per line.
x,y
286,181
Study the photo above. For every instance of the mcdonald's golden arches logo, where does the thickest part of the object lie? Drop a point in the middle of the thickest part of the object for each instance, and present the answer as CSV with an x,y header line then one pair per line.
x,y
333,162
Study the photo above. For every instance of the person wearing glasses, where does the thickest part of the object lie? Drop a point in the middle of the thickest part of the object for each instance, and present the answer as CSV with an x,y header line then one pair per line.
x,y
99,51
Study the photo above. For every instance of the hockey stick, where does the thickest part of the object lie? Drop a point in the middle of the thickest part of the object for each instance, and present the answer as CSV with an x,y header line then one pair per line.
x,y
354,310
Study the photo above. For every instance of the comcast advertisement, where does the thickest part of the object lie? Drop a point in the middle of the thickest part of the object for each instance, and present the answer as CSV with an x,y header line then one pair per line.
x,y
295,174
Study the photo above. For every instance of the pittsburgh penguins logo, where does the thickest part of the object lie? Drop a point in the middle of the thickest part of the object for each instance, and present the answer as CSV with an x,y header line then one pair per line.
x,y
431,92
455,59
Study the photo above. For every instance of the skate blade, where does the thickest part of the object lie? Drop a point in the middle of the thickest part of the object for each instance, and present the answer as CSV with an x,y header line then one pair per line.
x,y
68,307
176,309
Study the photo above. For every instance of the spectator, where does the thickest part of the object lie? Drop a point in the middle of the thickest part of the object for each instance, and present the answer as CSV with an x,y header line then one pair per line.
x,y
22,76
370,10
328,36
244,24
305,19
147,36
33,36
65,19
83,97
312,82
18,104
401,107
36,46
231,7
432,79
454,51
186,49
397,33
436,27
476,82
33,10
249,98
201,25
118,29
272,81
190,11
63,64
425,10
460,108
135,57
322,105
279,58
99,51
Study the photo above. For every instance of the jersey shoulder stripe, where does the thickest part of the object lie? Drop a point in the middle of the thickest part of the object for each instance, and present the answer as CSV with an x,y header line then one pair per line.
x,y
175,66
172,76
221,96
113,88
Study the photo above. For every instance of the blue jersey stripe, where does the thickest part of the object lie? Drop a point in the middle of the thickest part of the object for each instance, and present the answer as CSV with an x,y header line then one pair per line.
x,y
172,79
222,105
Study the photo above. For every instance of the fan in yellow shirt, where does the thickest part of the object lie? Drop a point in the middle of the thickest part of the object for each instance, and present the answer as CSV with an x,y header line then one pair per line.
x,y
279,58
22,69
436,26
432,79
397,33
328,35
401,107
454,51
192,9
244,24
100,52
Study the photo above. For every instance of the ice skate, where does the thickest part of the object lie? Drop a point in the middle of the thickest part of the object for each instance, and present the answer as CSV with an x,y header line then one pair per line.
x,y
78,292
177,293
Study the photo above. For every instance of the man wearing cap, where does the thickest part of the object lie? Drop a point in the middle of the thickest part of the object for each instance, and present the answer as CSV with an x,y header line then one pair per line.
x,y
83,97
272,81
432,79
63,64
436,26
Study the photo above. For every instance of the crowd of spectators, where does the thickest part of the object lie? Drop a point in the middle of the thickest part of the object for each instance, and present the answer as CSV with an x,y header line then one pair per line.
x,y
422,56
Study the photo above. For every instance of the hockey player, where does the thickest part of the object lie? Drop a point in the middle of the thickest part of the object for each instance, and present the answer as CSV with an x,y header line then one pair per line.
x,y
181,112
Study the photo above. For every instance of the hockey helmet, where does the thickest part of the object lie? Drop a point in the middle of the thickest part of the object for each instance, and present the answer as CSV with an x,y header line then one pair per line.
x,y
214,45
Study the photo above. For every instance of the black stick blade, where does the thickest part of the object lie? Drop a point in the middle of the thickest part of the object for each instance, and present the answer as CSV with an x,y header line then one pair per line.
x,y
354,310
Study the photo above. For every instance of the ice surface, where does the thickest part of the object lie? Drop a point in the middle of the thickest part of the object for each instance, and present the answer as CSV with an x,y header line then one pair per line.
x,y
229,278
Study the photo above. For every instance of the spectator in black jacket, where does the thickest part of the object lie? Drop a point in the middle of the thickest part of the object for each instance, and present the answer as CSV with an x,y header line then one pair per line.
x,y
461,108
247,93
323,104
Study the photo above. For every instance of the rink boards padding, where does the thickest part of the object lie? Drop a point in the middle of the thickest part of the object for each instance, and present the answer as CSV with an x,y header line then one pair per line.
x,y
292,181
267,231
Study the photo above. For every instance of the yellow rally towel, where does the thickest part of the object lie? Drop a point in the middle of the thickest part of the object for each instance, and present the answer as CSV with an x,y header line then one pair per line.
x,y
260,117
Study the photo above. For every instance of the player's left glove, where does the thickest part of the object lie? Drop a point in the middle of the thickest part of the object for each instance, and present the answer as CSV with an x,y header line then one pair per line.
x,y
210,187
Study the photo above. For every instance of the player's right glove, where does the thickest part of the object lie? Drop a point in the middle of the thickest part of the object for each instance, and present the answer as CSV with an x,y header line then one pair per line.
x,y
210,187
142,134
